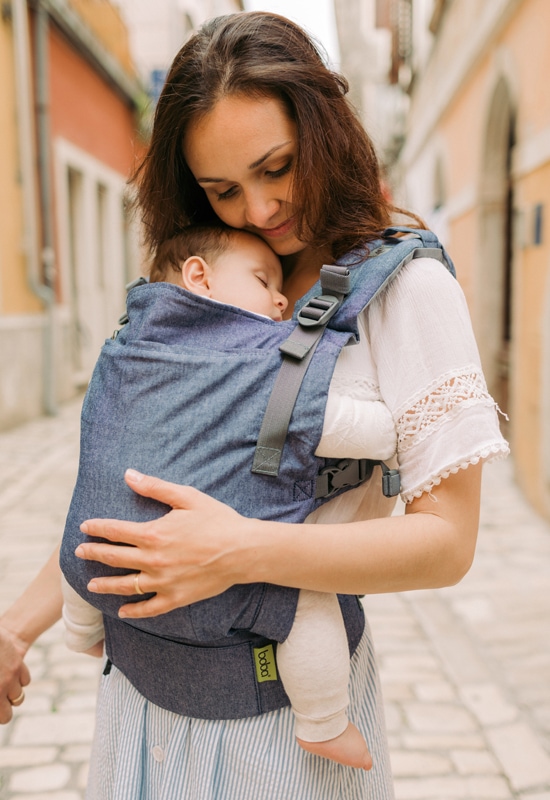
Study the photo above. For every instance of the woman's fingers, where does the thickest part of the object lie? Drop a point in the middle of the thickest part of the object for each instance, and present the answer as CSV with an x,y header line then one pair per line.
x,y
122,557
135,533
171,494
24,675
14,675
114,530
185,556
14,695
147,608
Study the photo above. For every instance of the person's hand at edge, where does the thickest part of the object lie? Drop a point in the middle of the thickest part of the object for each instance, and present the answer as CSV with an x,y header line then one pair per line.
x,y
14,674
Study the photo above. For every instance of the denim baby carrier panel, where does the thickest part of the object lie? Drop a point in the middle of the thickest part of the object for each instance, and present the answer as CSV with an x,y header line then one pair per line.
x,y
181,393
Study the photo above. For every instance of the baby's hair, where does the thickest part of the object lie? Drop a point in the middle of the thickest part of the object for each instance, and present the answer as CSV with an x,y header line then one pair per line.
x,y
206,241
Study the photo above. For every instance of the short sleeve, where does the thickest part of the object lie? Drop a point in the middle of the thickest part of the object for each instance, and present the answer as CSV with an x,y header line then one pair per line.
x,y
430,376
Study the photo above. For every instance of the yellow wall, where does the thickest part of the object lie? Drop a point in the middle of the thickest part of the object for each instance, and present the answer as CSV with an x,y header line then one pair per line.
x,y
106,23
15,297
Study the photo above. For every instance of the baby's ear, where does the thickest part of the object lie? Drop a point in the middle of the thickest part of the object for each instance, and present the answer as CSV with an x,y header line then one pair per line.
x,y
195,276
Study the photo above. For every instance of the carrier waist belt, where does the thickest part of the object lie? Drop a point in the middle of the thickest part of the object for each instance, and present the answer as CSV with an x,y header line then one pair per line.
x,y
237,673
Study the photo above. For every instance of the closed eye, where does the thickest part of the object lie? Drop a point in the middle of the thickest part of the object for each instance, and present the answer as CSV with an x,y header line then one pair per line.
x,y
227,194
278,173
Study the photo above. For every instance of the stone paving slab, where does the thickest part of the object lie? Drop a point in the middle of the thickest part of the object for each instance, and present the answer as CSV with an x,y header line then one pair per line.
x,y
465,670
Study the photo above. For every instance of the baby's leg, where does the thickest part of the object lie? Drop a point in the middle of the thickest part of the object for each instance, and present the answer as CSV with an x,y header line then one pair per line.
x,y
84,630
314,667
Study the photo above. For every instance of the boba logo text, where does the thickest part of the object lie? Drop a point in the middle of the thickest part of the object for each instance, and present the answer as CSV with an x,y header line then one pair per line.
x,y
264,658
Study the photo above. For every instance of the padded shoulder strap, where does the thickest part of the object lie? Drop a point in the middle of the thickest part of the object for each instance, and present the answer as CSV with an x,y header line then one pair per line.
x,y
297,350
359,281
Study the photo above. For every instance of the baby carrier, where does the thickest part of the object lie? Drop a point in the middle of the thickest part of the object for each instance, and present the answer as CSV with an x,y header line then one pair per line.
x,y
215,397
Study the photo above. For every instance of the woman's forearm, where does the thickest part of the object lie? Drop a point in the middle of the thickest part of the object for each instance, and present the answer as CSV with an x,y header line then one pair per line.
x,y
432,545
38,607
203,547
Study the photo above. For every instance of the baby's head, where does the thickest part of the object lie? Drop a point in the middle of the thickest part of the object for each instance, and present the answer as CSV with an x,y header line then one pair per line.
x,y
228,265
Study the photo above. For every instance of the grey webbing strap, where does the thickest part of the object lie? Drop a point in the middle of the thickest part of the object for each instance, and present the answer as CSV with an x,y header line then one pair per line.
x,y
297,350
428,252
269,447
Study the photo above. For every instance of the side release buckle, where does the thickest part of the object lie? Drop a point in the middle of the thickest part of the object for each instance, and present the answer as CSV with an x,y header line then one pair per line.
x,y
352,472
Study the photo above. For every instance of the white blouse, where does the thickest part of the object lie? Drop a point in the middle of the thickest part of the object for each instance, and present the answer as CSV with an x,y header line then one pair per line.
x,y
418,354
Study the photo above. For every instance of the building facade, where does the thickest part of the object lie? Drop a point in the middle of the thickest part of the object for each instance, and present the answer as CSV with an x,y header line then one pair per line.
x,y
158,30
68,125
366,42
475,164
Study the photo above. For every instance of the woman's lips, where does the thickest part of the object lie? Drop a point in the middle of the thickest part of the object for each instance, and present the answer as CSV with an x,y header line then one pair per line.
x,y
280,230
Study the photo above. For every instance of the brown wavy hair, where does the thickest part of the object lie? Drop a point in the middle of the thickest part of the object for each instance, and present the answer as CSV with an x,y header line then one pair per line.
x,y
336,186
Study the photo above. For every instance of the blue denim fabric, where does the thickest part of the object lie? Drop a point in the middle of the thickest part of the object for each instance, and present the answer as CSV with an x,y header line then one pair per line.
x,y
181,394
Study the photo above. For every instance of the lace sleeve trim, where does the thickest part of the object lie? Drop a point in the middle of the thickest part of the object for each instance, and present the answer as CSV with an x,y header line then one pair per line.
x,y
446,397
494,452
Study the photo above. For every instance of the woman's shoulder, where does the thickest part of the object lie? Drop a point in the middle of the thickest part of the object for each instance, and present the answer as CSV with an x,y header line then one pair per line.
x,y
423,275
423,287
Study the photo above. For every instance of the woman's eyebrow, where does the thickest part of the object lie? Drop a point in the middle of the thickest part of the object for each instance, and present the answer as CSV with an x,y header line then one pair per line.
x,y
254,164
269,153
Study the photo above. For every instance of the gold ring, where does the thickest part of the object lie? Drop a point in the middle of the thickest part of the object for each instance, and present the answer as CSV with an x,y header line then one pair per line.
x,y
18,700
137,587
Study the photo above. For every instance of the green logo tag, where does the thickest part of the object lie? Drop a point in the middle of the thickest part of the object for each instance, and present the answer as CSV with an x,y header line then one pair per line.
x,y
264,658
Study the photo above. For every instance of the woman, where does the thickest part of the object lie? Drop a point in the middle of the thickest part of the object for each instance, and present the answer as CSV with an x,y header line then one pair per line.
x,y
252,128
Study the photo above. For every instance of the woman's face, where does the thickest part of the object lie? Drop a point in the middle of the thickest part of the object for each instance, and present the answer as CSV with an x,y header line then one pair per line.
x,y
243,154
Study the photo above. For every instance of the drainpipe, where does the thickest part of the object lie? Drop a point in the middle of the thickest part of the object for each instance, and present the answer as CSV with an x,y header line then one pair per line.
x,y
41,74
25,117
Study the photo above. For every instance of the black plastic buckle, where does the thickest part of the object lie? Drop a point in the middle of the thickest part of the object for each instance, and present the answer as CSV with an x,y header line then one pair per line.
x,y
318,310
350,472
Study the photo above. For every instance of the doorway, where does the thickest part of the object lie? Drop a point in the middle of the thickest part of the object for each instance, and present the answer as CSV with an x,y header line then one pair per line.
x,y
495,281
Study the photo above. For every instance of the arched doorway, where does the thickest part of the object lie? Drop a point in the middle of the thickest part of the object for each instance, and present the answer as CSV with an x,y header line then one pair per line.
x,y
494,296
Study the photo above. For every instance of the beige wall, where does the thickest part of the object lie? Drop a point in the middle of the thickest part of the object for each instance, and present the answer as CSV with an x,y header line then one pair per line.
x,y
450,122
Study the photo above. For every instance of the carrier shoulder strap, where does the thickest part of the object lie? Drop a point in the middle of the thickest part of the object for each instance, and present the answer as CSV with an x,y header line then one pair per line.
x,y
297,352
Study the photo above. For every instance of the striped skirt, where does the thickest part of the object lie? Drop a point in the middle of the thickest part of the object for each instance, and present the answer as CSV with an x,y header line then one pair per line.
x,y
143,752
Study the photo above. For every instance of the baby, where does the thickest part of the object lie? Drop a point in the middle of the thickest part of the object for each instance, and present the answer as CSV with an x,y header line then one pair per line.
x,y
238,268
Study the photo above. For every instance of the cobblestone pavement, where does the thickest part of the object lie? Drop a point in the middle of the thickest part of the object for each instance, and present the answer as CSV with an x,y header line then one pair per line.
x,y
465,670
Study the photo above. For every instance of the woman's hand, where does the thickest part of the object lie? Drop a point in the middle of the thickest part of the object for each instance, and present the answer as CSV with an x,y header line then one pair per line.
x,y
14,674
193,552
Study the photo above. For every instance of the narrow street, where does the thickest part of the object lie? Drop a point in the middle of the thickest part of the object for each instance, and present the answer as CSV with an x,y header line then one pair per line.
x,y
465,670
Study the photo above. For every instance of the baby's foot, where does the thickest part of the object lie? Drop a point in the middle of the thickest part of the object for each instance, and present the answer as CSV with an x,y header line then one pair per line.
x,y
349,748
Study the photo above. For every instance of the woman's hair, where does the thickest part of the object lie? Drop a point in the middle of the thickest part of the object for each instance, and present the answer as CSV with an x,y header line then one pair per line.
x,y
207,241
336,190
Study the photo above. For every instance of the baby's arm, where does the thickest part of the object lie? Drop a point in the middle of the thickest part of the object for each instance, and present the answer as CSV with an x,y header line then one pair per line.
x,y
84,630
357,429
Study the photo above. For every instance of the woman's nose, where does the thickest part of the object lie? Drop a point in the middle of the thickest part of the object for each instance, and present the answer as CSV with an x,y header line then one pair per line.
x,y
260,210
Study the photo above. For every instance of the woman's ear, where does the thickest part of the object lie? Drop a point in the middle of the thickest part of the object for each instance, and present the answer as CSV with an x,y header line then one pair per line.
x,y
195,274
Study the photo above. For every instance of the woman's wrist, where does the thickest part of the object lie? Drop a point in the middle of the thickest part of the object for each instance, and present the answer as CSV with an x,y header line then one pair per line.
x,y
11,635
37,608
265,548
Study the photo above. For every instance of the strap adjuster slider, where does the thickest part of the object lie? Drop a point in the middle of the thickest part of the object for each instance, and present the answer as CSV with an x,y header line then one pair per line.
x,y
318,310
